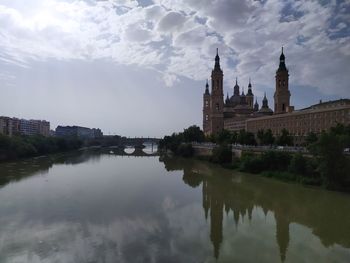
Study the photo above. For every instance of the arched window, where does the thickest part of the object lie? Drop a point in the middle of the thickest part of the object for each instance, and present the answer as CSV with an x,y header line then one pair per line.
x,y
217,106
206,104
206,117
283,107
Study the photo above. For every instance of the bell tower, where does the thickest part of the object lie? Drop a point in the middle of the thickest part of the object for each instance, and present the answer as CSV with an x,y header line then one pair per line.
x,y
206,110
250,96
282,93
217,97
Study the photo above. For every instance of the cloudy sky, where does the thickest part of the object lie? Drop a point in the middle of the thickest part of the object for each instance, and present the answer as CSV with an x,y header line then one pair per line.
x,y
138,68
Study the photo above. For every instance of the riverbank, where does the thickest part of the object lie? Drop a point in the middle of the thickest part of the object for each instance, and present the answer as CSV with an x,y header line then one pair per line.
x,y
323,160
17,147
289,167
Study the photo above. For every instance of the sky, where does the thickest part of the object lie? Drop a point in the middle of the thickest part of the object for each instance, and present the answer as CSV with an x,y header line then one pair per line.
x,y
139,68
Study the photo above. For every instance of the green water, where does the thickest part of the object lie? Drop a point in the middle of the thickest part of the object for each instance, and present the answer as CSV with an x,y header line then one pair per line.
x,y
101,207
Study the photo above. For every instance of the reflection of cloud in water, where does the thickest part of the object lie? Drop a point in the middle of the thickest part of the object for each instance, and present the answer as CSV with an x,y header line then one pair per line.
x,y
127,210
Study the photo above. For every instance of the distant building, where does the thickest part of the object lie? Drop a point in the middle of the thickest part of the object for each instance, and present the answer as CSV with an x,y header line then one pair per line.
x,y
34,127
78,132
238,111
13,126
6,126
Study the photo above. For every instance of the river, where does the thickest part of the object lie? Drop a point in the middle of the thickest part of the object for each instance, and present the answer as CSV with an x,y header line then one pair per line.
x,y
94,206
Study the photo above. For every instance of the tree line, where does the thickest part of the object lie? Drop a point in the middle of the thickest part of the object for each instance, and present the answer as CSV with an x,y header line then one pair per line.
x,y
327,165
28,146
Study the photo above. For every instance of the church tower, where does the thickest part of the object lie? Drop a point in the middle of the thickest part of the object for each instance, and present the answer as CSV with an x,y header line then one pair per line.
x,y
250,96
282,93
206,110
217,97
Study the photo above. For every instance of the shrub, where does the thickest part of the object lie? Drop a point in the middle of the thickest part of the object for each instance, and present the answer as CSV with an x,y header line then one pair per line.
x,y
251,164
298,165
185,150
222,154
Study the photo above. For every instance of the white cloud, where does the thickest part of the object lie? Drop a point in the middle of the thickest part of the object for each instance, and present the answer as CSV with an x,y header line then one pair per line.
x,y
181,36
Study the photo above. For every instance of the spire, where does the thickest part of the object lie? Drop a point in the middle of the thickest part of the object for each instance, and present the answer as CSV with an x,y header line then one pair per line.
x,y
265,101
282,57
250,93
282,66
236,89
217,60
227,99
256,105
207,88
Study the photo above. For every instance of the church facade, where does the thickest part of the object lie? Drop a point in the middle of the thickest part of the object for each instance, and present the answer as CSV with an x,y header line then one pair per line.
x,y
240,112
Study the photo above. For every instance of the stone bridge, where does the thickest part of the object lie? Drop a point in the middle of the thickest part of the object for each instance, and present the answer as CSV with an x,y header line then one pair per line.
x,y
137,151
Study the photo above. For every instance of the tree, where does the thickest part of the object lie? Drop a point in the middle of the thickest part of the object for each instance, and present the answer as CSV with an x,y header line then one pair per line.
x,y
222,154
193,134
311,138
260,136
285,138
224,137
332,163
246,138
265,137
268,137
298,164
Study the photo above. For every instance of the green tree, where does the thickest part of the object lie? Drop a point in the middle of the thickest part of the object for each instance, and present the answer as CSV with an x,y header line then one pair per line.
x,y
260,136
185,150
193,134
311,138
268,138
285,138
329,151
298,165
224,137
246,138
222,154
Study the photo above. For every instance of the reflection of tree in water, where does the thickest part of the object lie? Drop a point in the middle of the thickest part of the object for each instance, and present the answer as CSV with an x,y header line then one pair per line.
x,y
325,213
16,171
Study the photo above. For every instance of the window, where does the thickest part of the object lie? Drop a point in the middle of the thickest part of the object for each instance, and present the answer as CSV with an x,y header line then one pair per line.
x,y
206,104
217,106
206,117
283,107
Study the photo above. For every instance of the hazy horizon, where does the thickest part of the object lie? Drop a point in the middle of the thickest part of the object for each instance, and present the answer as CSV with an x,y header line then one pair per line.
x,y
138,68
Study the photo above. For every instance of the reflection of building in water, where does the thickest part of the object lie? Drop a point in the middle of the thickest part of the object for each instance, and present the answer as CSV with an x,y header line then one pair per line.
x,y
282,234
287,203
215,199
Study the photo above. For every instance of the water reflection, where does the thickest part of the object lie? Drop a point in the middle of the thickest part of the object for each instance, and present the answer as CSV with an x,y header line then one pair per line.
x,y
16,171
324,212
96,206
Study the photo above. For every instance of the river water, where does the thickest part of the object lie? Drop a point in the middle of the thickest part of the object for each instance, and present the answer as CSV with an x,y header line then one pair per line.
x,y
97,206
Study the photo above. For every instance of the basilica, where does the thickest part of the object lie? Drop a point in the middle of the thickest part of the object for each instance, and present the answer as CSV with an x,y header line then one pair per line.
x,y
231,113
240,112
